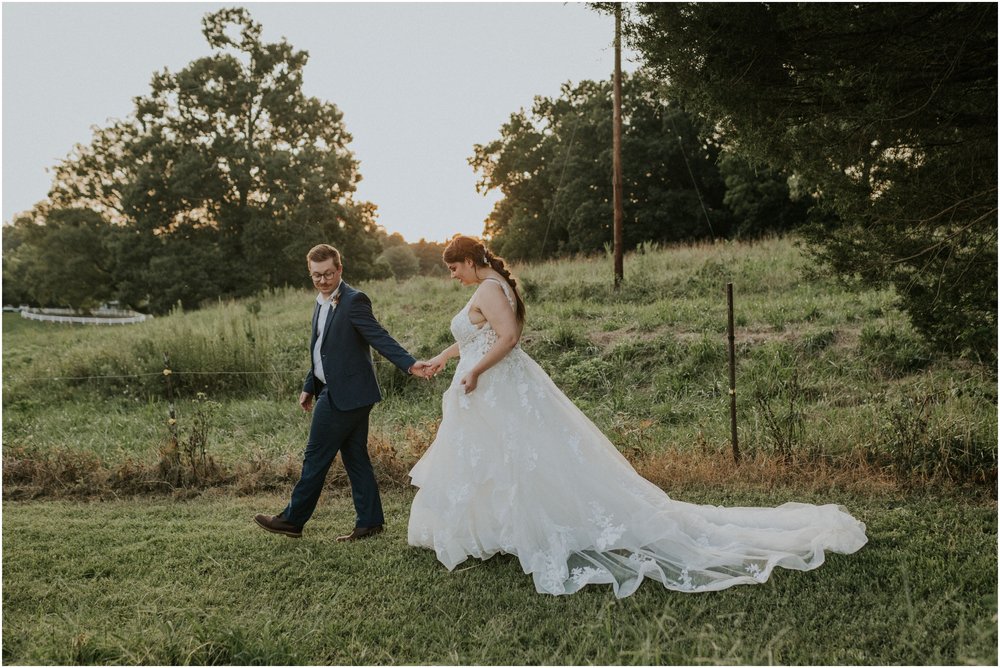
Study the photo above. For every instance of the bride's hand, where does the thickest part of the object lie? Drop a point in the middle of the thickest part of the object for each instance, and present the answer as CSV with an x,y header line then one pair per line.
x,y
436,364
470,381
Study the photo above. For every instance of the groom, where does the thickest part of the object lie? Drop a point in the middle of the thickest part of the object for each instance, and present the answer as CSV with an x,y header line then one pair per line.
x,y
342,380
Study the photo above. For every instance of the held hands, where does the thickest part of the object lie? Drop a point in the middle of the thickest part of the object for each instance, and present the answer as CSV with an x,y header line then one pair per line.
x,y
423,369
430,368
437,364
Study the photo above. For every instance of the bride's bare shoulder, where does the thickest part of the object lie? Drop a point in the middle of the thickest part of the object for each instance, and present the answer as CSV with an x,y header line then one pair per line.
x,y
491,284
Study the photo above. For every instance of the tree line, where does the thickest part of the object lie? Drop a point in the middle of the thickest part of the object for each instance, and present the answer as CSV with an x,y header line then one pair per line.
x,y
552,164
871,128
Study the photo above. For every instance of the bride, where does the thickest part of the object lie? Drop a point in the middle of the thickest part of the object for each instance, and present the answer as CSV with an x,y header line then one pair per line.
x,y
517,468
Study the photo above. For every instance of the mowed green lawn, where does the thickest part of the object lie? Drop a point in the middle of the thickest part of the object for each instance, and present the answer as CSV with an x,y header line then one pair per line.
x,y
162,581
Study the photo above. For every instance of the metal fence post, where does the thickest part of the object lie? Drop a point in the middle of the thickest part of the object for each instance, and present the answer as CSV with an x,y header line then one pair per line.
x,y
732,376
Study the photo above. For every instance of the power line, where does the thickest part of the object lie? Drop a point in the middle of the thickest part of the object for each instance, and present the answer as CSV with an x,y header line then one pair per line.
x,y
680,145
555,196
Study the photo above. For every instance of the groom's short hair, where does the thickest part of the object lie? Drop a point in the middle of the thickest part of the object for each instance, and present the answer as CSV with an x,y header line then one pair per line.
x,y
322,253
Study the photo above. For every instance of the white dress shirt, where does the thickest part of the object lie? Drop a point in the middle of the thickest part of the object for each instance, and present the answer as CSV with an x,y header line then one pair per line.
x,y
325,306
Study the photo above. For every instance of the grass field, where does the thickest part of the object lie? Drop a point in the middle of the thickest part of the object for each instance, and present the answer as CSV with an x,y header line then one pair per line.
x,y
164,582
824,373
117,549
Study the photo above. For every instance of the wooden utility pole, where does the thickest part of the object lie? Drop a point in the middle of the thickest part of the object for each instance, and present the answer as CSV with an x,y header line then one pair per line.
x,y
616,178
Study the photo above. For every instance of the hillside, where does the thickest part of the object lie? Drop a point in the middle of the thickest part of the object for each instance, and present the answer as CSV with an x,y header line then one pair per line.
x,y
827,378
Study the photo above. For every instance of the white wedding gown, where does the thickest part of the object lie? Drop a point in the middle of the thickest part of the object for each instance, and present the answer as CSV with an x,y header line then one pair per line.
x,y
517,468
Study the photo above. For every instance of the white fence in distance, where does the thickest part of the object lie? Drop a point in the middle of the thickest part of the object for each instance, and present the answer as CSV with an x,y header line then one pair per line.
x,y
103,317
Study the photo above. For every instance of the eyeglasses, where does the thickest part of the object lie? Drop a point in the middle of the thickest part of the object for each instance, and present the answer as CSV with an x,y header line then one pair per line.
x,y
328,276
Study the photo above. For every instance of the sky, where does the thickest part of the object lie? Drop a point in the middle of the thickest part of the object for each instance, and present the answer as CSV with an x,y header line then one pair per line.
x,y
418,83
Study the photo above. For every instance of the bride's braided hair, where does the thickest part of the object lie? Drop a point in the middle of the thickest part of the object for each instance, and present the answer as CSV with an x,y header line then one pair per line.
x,y
462,248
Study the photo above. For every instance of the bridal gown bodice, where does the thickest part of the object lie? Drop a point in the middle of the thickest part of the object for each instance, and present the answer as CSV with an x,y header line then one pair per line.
x,y
517,468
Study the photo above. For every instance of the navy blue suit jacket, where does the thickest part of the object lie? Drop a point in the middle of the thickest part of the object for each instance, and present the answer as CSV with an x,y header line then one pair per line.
x,y
351,332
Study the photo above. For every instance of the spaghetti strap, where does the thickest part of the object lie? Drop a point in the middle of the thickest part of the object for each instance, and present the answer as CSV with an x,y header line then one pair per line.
x,y
505,286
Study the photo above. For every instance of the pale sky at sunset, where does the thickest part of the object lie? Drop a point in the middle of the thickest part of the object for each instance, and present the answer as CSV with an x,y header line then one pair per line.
x,y
418,83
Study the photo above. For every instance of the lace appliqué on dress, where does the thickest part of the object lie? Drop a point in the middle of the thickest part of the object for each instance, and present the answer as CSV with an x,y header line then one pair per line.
x,y
517,468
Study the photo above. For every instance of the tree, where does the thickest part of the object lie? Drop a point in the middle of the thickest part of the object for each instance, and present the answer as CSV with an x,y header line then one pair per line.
x,y
67,262
885,112
553,167
389,240
224,176
760,198
16,287
429,253
402,260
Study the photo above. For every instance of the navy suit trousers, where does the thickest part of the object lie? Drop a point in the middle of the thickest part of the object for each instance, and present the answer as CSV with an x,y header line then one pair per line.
x,y
336,431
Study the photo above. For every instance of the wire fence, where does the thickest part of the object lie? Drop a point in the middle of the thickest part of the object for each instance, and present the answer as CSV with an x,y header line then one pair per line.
x,y
161,373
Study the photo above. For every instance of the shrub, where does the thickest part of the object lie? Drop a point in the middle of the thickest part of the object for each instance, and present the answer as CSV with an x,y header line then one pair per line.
x,y
893,353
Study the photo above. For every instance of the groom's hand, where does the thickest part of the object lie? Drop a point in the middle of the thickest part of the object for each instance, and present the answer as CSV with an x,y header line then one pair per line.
x,y
306,401
422,369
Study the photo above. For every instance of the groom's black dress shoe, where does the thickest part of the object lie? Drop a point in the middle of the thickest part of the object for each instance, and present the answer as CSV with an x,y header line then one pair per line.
x,y
359,533
275,524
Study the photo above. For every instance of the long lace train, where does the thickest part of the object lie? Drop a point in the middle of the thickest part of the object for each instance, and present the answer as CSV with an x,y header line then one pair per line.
x,y
517,468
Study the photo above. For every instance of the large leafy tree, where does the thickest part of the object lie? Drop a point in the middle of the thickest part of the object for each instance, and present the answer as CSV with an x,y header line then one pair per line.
x,y
224,176
70,261
552,165
886,112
